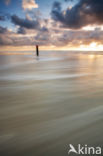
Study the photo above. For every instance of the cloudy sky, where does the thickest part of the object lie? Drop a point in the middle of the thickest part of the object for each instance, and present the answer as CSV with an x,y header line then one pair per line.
x,y
52,24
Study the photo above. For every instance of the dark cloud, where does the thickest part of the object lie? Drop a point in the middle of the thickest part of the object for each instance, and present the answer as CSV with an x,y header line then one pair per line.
x,y
2,18
44,29
21,30
3,30
69,0
26,23
56,13
57,6
85,12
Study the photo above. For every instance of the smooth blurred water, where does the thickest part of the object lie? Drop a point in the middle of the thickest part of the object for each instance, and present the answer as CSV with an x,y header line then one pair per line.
x,y
49,102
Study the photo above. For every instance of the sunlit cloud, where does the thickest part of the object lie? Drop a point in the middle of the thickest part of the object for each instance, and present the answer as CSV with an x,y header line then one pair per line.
x,y
29,4
93,27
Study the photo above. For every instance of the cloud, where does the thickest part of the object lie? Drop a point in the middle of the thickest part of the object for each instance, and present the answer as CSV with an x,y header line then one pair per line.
x,y
3,30
7,2
5,40
47,35
29,4
69,0
5,37
2,18
85,12
58,31
50,37
24,37
21,30
44,29
81,37
57,6
26,23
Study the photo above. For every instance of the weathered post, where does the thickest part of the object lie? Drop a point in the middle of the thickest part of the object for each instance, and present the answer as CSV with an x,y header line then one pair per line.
x,y
37,50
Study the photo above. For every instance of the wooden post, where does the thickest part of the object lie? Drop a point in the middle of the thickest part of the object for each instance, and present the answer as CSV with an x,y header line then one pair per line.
x,y
37,50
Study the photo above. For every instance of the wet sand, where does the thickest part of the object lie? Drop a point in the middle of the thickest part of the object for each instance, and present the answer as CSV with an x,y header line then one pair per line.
x,y
49,102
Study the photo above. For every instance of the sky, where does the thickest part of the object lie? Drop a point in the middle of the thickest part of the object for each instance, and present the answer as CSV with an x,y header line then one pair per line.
x,y
52,24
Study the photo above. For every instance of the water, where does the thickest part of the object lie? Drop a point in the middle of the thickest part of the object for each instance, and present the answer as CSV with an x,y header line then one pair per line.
x,y
49,102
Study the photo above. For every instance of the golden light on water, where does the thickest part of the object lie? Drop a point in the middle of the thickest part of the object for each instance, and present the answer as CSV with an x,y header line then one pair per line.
x,y
91,56
16,53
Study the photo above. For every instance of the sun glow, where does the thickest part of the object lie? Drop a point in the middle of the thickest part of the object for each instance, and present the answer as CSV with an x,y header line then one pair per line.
x,y
92,47
92,28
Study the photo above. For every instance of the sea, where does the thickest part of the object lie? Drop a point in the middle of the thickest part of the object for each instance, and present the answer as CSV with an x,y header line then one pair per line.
x,y
50,102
